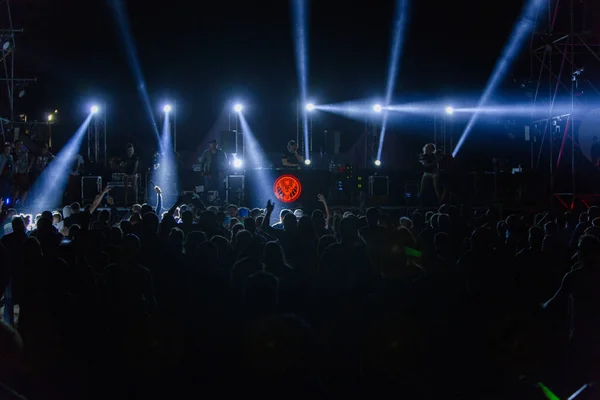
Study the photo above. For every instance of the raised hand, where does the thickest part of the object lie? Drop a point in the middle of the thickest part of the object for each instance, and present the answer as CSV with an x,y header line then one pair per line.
x,y
270,206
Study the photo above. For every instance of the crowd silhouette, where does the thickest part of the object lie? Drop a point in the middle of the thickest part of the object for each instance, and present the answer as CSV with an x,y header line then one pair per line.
x,y
443,303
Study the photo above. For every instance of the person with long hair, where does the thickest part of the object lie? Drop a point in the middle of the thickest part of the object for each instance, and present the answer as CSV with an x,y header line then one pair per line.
x,y
428,188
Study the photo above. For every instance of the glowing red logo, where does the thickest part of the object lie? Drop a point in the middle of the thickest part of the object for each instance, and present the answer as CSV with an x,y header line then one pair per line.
x,y
287,188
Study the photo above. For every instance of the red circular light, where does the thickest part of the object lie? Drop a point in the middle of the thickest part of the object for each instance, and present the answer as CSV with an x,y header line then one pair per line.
x,y
287,188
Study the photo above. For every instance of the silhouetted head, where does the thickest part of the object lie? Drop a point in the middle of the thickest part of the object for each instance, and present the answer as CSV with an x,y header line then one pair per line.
x,y
372,217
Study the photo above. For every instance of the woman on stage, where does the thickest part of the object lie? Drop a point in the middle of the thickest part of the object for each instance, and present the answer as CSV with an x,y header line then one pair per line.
x,y
428,192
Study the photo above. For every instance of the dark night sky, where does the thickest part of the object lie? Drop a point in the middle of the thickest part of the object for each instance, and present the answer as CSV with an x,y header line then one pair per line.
x,y
204,54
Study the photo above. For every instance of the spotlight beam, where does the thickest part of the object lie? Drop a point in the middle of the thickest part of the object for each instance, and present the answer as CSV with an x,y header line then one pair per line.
x,y
522,28
124,30
300,23
397,42
48,189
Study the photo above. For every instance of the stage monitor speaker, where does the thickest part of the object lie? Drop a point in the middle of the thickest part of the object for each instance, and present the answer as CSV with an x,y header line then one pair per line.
x,y
117,192
228,141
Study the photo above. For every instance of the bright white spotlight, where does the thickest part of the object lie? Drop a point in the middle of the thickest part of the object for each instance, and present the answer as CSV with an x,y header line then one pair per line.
x,y
238,108
50,116
310,107
449,110
307,161
237,163
377,163
377,108
167,108
94,109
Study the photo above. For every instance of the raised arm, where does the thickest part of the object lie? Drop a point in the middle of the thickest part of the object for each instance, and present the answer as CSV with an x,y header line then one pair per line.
x,y
323,201
159,200
98,199
266,225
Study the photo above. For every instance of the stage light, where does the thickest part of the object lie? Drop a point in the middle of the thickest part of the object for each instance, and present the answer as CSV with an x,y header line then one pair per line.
x,y
378,163
307,161
167,108
50,116
449,110
310,107
237,163
94,109
377,108
238,108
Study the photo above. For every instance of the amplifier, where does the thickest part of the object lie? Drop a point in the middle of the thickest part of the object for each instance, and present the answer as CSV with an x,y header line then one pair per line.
x,y
379,186
91,186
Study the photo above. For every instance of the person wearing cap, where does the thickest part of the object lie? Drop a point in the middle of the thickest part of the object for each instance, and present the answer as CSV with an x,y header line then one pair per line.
x,y
214,166
290,157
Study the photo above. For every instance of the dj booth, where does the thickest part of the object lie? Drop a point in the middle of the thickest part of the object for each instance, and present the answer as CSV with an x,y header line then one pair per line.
x,y
289,188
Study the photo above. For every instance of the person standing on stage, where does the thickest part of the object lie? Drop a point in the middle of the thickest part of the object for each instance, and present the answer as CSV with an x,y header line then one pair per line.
x,y
42,160
428,186
290,157
214,164
130,167
74,184
22,167
6,171
445,180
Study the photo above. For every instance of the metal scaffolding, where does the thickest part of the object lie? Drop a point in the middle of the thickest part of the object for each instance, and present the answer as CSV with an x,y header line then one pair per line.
x,y
442,133
14,86
562,49
96,139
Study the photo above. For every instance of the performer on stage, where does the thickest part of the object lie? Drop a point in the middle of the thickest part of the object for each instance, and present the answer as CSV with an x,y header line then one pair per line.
x,y
290,157
22,168
445,178
214,165
74,184
6,171
130,167
428,192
